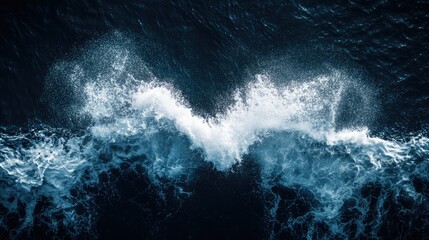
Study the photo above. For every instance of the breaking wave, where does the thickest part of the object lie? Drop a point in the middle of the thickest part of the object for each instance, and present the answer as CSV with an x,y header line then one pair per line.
x,y
290,129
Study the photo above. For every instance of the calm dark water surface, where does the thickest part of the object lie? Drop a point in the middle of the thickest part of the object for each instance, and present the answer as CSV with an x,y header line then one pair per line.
x,y
214,120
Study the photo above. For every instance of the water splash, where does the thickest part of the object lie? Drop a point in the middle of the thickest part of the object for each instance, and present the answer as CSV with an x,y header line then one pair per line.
x,y
291,131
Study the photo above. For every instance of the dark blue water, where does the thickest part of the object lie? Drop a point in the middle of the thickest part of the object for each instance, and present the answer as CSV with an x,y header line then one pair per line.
x,y
214,120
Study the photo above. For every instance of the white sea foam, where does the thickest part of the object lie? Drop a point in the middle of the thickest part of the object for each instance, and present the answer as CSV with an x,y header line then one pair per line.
x,y
290,129
261,108
47,158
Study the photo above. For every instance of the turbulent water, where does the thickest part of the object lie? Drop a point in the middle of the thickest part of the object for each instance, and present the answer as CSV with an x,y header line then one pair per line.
x,y
125,150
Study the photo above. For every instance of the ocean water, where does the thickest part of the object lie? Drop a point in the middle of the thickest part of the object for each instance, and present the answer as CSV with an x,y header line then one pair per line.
x,y
214,120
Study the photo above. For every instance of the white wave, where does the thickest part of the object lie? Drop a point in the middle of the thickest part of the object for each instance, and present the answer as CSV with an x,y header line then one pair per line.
x,y
290,129
262,107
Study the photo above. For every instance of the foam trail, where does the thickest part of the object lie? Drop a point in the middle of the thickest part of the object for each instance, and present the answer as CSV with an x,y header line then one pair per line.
x,y
29,156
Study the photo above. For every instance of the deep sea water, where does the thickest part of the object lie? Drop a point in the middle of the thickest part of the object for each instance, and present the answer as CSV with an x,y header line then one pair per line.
x,y
222,120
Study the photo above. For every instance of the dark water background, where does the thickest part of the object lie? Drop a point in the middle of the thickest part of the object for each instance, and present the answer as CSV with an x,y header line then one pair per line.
x,y
207,49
